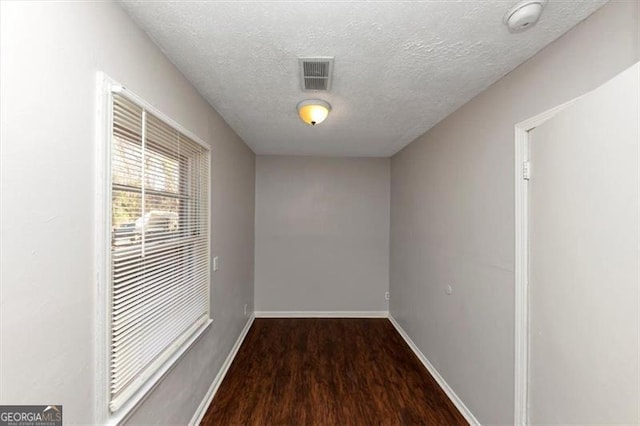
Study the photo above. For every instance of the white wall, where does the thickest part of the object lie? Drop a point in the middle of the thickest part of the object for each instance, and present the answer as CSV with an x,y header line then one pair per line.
x,y
50,53
584,304
452,211
322,233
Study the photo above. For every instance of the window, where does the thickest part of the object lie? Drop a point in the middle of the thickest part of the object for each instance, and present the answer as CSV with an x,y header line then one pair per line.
x,y
159,292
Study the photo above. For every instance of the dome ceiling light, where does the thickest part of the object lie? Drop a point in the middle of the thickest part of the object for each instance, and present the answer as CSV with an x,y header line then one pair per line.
x,y
313,111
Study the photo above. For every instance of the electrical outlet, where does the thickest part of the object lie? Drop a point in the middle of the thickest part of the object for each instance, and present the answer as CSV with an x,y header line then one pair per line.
x,y
245,309
387,295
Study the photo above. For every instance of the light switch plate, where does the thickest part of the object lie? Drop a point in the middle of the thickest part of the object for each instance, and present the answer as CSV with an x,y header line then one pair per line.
x,y
215,264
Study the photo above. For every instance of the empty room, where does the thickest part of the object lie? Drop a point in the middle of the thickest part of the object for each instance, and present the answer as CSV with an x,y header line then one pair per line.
x,y
320,212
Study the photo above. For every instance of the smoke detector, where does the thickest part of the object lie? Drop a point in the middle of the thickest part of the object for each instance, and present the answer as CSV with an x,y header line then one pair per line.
x,y
524,15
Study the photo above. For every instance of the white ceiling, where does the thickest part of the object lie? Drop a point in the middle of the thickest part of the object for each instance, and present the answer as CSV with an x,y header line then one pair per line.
x,y
400,67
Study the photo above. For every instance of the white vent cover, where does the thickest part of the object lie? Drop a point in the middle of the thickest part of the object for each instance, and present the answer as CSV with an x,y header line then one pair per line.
x,y
315,73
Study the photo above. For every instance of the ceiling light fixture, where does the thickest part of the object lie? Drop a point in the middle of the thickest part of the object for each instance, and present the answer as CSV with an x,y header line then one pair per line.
x,y
524,15
313,111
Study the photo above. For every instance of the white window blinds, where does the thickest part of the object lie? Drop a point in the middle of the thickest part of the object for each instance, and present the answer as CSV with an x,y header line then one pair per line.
x,y
159,245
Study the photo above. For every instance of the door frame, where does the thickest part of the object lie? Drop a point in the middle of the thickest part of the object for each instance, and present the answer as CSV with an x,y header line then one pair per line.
x,y
521,365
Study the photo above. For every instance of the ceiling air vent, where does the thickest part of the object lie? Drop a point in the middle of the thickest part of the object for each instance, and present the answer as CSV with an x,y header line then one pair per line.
x,y
316,73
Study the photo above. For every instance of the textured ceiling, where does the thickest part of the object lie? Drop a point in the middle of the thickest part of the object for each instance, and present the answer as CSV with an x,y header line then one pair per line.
x,y
400,67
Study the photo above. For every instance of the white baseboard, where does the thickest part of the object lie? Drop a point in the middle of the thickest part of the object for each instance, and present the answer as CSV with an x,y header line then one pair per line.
x,y
438,378
208,397
322,314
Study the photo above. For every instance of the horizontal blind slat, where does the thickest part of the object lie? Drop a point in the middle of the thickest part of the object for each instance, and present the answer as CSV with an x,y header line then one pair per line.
x,y
126,310
158,270
157,336
131,259
121,397
137,341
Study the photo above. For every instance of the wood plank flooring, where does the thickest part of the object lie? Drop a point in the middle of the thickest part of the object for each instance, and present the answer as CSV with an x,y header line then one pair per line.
x,y
328,372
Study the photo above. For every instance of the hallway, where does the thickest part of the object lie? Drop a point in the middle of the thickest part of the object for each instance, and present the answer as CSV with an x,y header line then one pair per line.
x,y
333,213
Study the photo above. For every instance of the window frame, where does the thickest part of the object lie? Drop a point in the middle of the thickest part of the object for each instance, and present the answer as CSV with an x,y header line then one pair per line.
x,y
106,88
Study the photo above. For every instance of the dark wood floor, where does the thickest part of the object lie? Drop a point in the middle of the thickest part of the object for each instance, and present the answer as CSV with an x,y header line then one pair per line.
x,y
328,372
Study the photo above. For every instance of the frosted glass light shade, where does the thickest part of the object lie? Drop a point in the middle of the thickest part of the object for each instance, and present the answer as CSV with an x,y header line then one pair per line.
x,y
313,111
